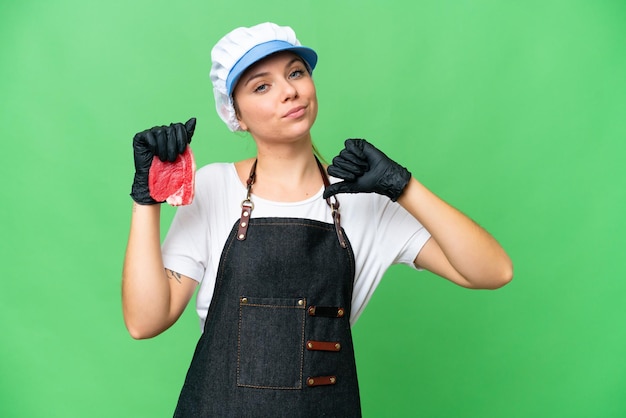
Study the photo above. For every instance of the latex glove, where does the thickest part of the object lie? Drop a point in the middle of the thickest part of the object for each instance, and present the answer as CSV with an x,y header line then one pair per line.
x,y
366,169
166,142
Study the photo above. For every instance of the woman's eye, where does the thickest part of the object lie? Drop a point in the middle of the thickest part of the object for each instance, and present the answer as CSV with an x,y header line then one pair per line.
x,y
261,88
296,73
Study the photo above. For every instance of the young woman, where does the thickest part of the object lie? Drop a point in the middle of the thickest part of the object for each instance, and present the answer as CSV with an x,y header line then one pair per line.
x,y
286,256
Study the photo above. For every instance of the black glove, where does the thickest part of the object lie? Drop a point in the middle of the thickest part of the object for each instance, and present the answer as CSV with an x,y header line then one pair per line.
x,y
366,169
166,142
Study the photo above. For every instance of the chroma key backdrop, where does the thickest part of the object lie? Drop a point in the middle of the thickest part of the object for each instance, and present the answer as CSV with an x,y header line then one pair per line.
x,y
514,112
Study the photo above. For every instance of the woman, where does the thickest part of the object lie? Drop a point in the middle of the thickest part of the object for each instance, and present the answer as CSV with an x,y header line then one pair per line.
x,y
284,273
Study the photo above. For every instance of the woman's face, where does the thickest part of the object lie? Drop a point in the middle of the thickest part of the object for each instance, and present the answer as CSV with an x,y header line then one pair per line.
x,y
275,98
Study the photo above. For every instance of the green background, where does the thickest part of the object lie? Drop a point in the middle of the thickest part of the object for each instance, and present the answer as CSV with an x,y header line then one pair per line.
x,y
512,111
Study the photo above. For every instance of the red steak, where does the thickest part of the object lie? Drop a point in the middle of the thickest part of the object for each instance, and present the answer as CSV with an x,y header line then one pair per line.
x,y
173,182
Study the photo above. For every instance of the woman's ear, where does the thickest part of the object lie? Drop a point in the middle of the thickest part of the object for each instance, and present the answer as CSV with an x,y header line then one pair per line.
x,y
238,116
241,124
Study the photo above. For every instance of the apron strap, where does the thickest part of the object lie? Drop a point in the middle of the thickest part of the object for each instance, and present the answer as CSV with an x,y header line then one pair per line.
x,y
247,206
334,207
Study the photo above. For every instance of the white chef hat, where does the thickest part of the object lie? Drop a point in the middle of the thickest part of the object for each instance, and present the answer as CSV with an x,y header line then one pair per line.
x,y
241,48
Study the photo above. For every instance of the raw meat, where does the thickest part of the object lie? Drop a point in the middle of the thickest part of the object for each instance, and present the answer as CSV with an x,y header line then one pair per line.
x,y
173,182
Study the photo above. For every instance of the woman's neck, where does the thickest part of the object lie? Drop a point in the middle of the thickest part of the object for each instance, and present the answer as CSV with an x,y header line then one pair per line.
x,y
288,174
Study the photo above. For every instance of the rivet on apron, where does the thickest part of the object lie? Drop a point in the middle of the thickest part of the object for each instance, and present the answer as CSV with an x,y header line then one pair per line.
x,y
340,312
300,302
244,300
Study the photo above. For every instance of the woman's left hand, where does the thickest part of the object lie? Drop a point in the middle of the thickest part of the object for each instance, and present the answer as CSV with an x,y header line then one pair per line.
x,y
366,169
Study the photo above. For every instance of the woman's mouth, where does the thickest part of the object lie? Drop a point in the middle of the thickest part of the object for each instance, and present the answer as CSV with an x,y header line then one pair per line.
x,y
295,112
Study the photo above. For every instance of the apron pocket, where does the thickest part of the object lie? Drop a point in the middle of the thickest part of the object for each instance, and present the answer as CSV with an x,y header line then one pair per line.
x,y
271,342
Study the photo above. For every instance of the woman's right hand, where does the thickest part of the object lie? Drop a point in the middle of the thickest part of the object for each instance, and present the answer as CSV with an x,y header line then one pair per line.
x,y
366,169
166,142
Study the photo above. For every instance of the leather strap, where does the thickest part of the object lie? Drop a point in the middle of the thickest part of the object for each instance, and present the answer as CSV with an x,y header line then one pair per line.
x,y
321,381
246,206
323,345
326,311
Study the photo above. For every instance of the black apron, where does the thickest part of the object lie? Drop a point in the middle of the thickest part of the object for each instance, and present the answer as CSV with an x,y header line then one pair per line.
x,y
277,339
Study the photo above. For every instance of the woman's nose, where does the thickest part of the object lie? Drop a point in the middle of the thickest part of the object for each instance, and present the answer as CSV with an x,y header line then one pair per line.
x,y
289,90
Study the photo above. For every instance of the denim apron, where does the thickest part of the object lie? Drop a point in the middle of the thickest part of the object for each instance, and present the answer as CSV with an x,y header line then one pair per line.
x,y
277,339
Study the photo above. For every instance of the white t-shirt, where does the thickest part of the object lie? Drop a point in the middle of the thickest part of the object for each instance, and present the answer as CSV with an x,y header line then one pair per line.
x,y
380,231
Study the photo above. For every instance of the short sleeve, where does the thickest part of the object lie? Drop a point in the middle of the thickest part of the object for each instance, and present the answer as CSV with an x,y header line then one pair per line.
x,y
400,236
